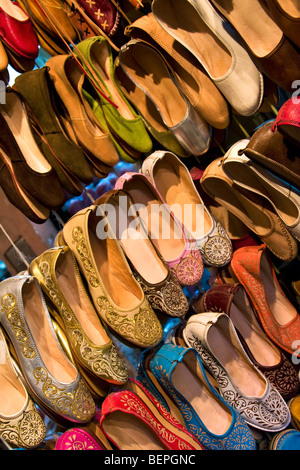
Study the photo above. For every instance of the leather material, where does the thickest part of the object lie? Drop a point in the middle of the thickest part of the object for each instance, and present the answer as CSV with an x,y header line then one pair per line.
x,y
270,149
161,412
188,266
18,35
288,24
44,186
102,360
77,439
103,13
68,80
248,175
286,440
167,295
250,208
287,121
17,424
216,236
67,158
246,266
17,197
38,11
3,58
137,323
188,127
130,405
202,93
124,123
294,405
282,64
234,84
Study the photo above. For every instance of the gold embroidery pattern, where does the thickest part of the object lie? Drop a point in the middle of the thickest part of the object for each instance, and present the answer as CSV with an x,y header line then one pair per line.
x,y
28,430
143,326
78,403
105,364
85,256
10,308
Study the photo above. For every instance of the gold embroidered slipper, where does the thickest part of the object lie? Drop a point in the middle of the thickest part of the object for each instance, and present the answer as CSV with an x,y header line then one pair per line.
x,y
58,274
118,298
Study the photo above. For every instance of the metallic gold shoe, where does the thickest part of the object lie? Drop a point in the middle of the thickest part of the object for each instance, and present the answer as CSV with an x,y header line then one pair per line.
x,y
53,381
118,298
58,274
21,425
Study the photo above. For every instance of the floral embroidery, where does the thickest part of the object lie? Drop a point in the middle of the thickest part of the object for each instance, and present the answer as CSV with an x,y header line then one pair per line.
x,y
266,414
142,326
27,430
10,308
103,362
85,256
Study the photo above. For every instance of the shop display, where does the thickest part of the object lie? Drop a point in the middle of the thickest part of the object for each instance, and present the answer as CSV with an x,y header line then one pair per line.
x,y
160,140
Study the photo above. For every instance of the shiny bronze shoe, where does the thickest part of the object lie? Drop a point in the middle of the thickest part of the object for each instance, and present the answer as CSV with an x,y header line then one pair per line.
x,y
159,283
21,425
58,274
51,378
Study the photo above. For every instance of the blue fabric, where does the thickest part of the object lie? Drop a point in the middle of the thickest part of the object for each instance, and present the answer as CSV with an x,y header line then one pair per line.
x,y
288,440
237,437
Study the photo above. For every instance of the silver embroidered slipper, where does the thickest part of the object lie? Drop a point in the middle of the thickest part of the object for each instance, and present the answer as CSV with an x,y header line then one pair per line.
x,y
173,181
53,381
240,383
21,424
